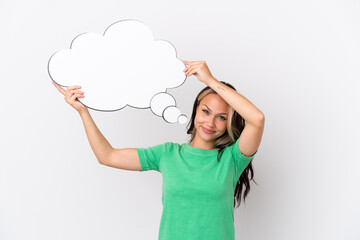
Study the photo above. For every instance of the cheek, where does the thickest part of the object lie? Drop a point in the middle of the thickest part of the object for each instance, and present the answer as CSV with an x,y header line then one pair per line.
x,y
223,126
201,119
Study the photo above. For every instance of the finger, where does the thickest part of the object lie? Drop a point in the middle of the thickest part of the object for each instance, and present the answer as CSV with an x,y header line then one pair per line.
x,y
73,87
60,89
188,62
69,93
72,92
188,69
192,62
190,66
76,96
191,69
75,91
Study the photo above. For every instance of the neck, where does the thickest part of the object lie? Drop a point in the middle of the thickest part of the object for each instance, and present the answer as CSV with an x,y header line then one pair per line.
x,y
200,143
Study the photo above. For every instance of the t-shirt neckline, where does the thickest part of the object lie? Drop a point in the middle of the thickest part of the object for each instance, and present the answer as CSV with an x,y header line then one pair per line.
x,y
200,151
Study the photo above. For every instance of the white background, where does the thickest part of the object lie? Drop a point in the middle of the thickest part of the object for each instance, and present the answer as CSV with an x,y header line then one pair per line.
x,y
297,61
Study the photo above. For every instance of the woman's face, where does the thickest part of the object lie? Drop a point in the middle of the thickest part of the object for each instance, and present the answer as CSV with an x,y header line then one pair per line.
x,y
211,117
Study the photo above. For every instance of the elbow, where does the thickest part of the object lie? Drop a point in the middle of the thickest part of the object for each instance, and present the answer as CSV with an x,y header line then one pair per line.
x,y
101,162
101,159
261,120
105,159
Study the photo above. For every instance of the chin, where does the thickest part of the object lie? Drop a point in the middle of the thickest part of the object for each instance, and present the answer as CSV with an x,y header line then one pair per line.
x,y
209,138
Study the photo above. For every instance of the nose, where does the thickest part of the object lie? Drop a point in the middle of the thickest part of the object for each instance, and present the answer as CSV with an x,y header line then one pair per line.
x,y
211,122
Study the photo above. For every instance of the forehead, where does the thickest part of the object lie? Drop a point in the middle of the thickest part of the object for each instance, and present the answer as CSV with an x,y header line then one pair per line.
x,y
215,103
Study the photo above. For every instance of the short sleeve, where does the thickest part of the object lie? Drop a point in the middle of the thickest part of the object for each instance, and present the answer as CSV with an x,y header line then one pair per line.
x,y
241,161
150,157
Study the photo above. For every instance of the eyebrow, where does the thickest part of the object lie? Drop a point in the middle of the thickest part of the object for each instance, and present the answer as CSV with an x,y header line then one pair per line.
x,y
210,109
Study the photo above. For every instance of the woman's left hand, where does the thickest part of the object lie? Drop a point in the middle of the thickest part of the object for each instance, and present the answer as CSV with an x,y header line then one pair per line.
x,y
199,69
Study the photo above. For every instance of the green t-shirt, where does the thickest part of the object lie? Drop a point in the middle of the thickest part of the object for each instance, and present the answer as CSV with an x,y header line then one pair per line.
x,y
197,191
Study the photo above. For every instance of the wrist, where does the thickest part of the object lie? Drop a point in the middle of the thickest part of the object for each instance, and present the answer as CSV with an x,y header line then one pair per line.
x,y
212,81
83,111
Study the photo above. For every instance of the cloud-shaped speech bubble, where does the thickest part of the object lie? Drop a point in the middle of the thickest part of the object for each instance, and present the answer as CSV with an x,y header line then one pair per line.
x,y
123,67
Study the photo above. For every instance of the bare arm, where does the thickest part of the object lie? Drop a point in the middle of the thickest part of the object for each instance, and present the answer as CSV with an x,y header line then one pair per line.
x,y
126,158
100,146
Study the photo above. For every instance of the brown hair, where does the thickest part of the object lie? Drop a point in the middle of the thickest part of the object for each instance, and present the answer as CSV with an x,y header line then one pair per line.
x,y
235,125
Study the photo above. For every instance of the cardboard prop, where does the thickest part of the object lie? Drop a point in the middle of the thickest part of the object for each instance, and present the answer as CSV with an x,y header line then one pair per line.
x,y
123,67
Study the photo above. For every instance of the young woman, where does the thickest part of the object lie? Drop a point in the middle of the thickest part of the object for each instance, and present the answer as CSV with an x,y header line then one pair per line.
x,y
201,178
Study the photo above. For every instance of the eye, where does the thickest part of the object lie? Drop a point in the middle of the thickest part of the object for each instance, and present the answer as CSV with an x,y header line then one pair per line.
x,y
205,111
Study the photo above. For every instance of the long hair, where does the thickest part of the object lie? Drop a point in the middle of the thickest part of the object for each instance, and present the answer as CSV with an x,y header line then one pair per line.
x,y
234,128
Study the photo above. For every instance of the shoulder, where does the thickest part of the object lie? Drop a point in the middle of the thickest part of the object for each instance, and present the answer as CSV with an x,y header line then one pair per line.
x,y
230,151
229,148
172,146
234,151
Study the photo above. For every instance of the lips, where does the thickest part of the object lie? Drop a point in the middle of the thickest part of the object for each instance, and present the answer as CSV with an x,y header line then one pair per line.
x,y
208,131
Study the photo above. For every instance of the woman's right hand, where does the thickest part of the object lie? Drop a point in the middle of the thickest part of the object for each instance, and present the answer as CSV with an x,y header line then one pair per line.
x,y
70,95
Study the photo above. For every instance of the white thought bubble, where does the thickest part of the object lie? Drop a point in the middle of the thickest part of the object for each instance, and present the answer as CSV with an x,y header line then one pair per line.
x,y
123,67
